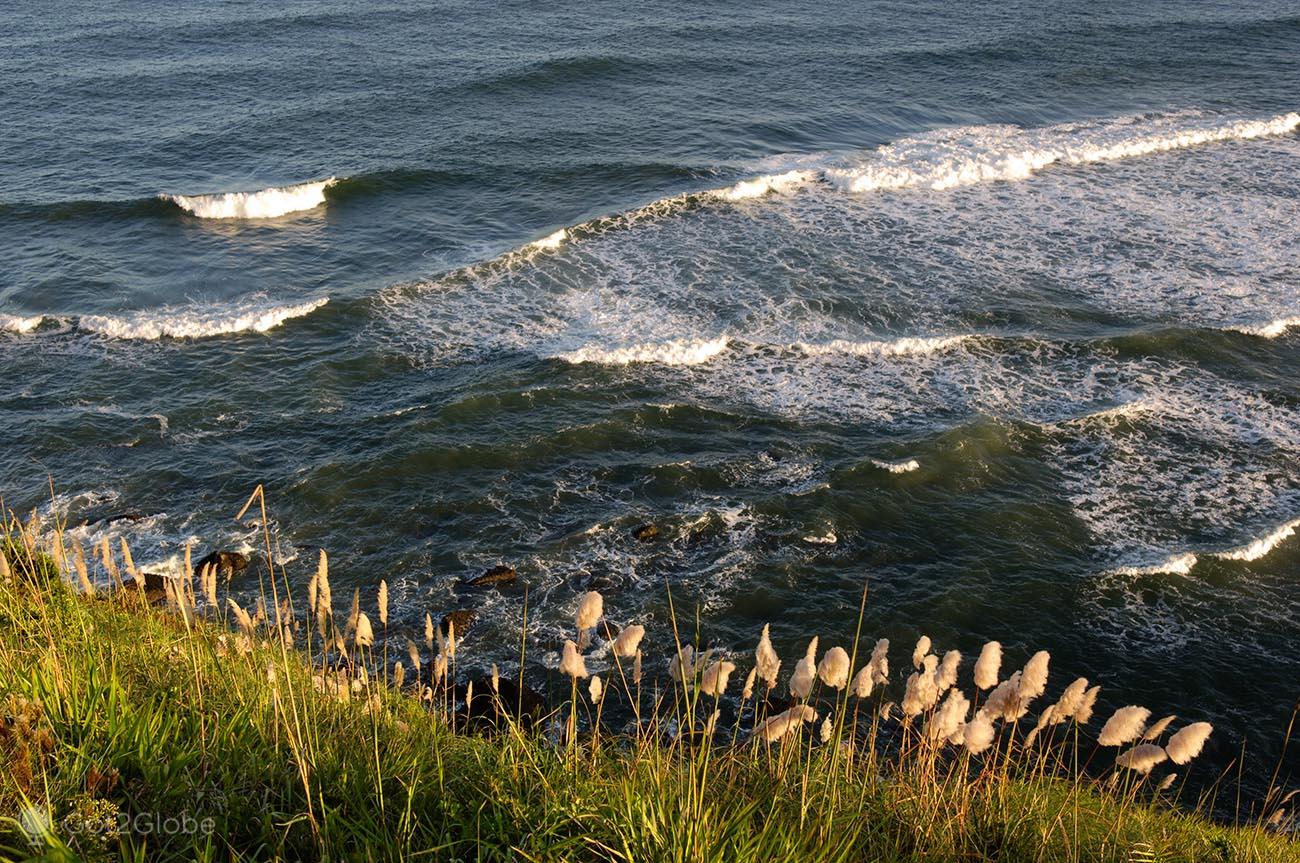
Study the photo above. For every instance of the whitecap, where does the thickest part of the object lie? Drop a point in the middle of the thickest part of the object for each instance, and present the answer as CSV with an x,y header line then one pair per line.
x,y
677,352
262,204
196,321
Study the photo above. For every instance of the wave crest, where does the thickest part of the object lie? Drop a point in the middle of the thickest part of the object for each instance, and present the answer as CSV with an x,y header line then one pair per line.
x,y
677,352
1262,546
1270,330
195,322
18,324
262,204
902,347
980,154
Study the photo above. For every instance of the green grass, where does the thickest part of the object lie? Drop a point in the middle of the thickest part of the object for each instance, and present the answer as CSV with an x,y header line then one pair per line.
x,y
115,709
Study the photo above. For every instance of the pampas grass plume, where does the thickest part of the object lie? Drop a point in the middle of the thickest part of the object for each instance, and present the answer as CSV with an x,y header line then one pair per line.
x,y
590,609
1033,679
919,652
596,689
988,665
1083,715
572,662
783,723
629,641
1124,726
365,635
428,630
1141,758
714,680
383,602
682,665
834,668
979,733
766,660
1071,700
636,669
880,662
828,730
862,681
1187,742
748,691
241,616
1158,728
801,681
946,676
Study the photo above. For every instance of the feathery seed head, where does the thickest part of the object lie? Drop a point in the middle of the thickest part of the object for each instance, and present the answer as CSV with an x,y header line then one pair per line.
x,y
1083,714
716,675
1187,742
572,662
383,602
1033,679
784,723
628,641
1141,758
590,609
946,676
919,652
1158,728
880,662
748,691
979,733
862,681
596,689
766,660
988,666
365,635
682,665
1124,726
834,668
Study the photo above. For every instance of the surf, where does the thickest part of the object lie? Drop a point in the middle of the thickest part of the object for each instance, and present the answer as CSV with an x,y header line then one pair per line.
x,y
262,204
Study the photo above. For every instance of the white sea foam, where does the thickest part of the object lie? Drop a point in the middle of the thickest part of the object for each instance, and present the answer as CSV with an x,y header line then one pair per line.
x,y
764,185
902,347
904,466
17,324
1269,330
977,154
550,241
1262,546
827,538
677,352
196,322
1177,564
263,204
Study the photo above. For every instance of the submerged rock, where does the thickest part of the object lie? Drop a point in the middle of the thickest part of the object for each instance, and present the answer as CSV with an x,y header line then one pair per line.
x,y
487,709
226,563
499,574
463,618
646,533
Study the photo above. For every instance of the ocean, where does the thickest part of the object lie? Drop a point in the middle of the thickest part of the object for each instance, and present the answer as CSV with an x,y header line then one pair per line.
x,y
993,308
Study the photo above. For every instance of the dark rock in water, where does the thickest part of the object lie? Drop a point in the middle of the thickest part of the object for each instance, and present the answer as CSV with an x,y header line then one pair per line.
x,y
647,532
600,582
155,591
500,574
116,517
487,710
607,631
462,617
226,563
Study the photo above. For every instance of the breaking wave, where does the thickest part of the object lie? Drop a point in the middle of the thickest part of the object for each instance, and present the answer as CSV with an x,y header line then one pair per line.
x,y
1262,546
195,322
906,465
1270,330
18,324
907,346
678,352
263,204
980,154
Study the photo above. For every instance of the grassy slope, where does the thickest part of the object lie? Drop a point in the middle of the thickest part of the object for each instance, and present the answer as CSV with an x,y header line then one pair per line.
x,y
191,725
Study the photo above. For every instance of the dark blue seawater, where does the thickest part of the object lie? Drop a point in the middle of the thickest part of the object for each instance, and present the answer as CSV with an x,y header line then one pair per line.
x,y
994,307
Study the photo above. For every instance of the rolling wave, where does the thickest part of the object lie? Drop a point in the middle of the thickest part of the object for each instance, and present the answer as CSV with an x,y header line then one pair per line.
x,y
981,154
1269,330
195,322
18,324
1261,547
678,352
902,347
262,204
1183,562
940,160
